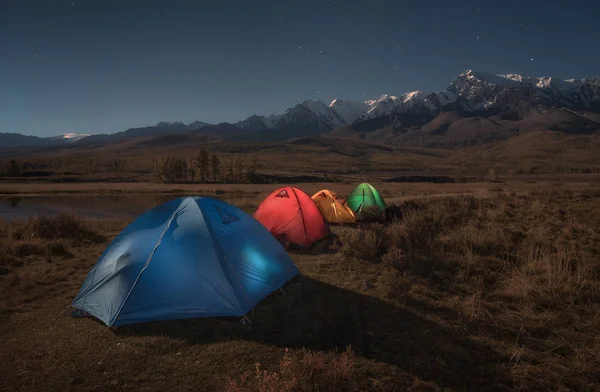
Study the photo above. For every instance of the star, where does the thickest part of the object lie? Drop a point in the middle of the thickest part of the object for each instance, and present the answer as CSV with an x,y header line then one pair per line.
x,y
477,37
532,59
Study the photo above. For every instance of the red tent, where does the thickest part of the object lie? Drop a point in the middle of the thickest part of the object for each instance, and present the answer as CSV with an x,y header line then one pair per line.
x,y
292,216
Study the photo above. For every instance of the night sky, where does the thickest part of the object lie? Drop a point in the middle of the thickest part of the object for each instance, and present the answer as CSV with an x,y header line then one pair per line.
x,y
101,66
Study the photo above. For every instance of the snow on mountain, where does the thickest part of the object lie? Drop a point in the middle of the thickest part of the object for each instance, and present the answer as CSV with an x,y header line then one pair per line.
x,y
312,114
324,112
470,92
486,91
72,136
349,111
414,101
381,106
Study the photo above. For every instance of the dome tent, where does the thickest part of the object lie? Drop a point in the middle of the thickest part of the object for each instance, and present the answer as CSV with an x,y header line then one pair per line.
x,y
333,207
365,196
189,257
292,216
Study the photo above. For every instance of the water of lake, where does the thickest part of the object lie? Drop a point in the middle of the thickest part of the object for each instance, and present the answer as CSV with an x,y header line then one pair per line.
x,y
98,206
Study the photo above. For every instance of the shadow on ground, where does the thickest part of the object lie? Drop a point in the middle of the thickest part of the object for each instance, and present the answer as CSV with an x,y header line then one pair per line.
x,y
319,316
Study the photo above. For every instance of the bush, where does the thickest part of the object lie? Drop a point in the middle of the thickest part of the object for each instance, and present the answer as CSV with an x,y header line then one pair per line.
x,y
371,214
61,226
365,244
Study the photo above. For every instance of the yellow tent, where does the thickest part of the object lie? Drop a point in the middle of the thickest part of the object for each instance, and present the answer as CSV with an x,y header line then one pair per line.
x,y
333,207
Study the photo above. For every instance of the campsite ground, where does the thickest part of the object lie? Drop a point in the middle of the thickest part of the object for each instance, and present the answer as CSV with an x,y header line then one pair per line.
x,y
490,286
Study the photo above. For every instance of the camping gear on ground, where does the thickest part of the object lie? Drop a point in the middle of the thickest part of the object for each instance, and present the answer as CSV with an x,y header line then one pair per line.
x,y
365,197
393,213
189,257
292,216
333,207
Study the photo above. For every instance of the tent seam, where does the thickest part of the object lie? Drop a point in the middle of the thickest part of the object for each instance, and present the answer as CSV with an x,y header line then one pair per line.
x,y
302,217
167,226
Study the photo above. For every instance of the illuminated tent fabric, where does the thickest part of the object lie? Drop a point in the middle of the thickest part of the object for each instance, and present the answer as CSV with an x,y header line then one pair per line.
x,y
365,196
187,258
292,216
333,207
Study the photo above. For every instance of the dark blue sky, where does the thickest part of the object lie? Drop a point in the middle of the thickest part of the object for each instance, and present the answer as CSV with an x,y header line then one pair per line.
x,y
101,66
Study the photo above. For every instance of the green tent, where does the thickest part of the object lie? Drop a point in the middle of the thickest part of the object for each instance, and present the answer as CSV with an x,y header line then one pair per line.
x,y
365,196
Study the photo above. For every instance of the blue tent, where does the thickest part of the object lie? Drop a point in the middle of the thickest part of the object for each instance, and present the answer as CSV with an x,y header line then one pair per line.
x,y
189,257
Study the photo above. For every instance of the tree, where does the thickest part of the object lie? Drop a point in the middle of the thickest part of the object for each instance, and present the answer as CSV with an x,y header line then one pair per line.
x,y
231,169
215,166
253,164
202,163
14,169
158,171
239,169
192,170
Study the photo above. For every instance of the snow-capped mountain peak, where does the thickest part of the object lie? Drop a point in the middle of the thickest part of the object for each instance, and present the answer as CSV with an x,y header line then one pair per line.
x,y
412,95
470,91
348,111
499,92
72,136
388,104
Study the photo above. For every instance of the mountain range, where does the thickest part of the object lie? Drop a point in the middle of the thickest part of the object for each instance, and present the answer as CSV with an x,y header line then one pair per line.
x,y
475,107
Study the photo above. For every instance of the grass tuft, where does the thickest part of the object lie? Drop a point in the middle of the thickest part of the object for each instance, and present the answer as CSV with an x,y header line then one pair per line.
x,y
62,226
310,372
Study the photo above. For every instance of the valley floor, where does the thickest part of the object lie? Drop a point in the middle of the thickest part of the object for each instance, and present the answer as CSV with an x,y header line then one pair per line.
x,y
489,287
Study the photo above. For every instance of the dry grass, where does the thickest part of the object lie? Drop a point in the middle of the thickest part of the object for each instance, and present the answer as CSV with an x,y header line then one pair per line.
x,y
497,293
312,372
